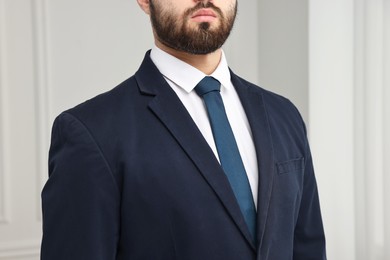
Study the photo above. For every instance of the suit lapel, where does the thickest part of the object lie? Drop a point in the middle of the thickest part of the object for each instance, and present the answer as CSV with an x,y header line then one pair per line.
x,y
172,113
253,103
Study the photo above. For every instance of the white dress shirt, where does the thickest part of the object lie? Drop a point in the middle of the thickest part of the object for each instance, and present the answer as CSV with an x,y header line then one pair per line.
x,y
183,78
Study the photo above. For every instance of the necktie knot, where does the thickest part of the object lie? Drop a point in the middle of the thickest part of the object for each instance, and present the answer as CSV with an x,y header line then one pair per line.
x,y
206,85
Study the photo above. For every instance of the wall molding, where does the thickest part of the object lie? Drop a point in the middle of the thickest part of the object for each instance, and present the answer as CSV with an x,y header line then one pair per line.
x,y
359,129
3,161
370,133
42,92
20,250
386,129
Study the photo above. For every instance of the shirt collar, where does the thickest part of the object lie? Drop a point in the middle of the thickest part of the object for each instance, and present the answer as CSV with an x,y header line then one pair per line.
x,y
185,75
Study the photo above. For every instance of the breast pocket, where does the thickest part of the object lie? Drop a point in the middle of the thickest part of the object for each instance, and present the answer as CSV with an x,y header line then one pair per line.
x,y
290,166
288,182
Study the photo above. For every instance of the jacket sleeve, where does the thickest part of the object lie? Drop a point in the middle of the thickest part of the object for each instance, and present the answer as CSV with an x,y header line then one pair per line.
x,y
309,237
80,201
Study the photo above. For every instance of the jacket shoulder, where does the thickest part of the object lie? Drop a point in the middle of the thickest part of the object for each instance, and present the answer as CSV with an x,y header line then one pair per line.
x,y
273,102
107,102
281,112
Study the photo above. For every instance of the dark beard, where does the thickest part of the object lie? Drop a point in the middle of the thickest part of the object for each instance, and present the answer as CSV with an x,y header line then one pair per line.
x,y
201,40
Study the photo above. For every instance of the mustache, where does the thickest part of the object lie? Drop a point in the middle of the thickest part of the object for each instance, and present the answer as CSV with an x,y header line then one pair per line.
x,y
202,5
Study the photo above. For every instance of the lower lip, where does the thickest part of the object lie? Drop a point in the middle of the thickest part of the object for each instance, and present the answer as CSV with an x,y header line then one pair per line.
x,y
203,18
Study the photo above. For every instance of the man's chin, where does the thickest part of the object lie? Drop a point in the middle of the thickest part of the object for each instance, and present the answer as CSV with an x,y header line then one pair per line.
x,y
212,26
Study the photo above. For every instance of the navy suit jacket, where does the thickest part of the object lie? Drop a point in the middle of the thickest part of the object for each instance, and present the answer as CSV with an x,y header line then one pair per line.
x,y
131,177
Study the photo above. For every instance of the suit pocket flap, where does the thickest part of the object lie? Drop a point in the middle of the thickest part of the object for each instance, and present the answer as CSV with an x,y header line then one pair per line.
x,y
290,165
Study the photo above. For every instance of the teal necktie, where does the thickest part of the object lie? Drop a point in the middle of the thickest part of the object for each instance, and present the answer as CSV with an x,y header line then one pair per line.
x,y
209,89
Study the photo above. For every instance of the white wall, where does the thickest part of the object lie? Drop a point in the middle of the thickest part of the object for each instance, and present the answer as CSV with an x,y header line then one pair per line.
x,y
349,123
331,101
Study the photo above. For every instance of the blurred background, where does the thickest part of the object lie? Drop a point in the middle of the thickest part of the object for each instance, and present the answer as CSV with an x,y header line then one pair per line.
x,y
331,58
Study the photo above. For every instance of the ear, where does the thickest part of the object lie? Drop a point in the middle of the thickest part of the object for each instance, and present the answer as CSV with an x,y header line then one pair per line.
x,y
145,5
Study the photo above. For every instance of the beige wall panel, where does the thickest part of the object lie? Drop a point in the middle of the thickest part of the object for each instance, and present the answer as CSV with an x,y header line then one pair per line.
x,y
283,49
3,196
19,234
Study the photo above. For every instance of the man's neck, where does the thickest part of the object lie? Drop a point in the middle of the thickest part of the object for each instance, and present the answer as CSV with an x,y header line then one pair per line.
x,y
206,63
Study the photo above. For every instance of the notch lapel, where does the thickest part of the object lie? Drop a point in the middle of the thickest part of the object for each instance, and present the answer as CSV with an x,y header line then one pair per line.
x,y
253,103
171,112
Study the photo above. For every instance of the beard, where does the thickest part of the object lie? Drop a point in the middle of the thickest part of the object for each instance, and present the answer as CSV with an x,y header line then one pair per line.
x,y
177,34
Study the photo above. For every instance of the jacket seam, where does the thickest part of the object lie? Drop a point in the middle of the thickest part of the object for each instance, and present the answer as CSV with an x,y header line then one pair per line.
x,y
98,148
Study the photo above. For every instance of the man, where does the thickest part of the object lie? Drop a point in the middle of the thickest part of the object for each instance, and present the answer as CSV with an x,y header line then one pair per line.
x,y
184,160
